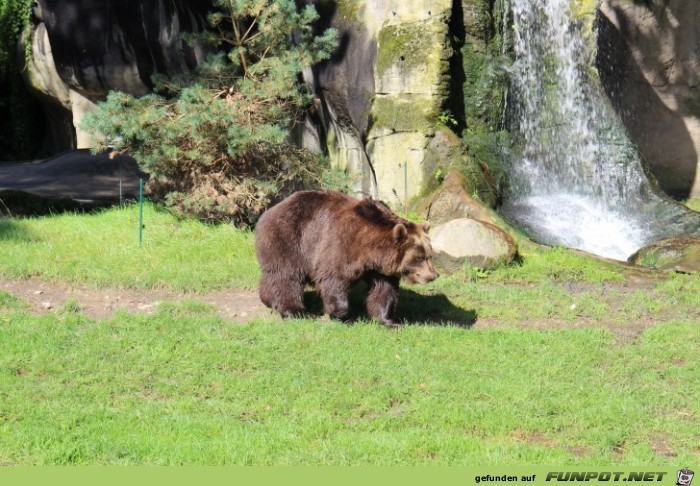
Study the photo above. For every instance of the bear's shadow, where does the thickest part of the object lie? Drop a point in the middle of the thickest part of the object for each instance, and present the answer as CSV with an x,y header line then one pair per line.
x,y
413,308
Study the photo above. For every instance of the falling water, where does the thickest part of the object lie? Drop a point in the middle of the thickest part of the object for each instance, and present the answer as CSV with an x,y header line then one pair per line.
x,y
576,180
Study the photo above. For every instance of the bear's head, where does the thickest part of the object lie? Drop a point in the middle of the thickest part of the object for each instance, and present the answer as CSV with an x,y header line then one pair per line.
x,y
411,256
416,266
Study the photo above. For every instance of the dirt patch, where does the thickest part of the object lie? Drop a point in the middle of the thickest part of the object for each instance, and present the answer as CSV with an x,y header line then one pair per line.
x,y
540,439
661,446
42,297
242,306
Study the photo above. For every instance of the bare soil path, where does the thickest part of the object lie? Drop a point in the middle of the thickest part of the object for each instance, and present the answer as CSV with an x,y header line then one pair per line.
x,y
41,296
241,306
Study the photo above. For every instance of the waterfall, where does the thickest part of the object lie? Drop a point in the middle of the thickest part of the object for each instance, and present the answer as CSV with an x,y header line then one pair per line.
x,y
575,178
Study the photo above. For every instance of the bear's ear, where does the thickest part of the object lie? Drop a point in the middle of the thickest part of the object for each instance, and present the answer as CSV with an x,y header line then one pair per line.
x,y
400,232
426,226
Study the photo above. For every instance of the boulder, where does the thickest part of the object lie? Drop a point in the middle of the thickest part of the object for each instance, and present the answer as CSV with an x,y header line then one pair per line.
x,y
452,201
78,175
466,240
679,254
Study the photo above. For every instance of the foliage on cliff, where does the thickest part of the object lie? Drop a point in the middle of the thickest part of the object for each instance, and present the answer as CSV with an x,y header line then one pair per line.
x,y
20,115
484,62
215,141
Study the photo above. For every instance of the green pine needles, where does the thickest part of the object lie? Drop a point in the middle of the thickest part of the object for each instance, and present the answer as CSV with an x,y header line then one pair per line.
x,y
216,140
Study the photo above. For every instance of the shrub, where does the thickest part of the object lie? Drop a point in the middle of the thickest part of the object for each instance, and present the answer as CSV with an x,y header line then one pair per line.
x,y
216,141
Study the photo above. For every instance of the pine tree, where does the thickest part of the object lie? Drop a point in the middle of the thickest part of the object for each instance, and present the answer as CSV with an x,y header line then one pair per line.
x,y
215,141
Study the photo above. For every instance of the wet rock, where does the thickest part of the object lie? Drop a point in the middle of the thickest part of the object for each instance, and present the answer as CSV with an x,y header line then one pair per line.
x,y
647,59
477,243
679,254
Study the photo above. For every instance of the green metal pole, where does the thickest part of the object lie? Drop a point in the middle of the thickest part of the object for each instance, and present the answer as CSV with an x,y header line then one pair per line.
x,y
140,211
405,189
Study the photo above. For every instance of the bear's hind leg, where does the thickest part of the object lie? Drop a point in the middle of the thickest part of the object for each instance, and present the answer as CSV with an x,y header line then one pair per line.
x,y
382,298
283,292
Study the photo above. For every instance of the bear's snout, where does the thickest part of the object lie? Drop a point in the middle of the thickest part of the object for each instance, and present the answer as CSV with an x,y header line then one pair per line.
x,y
431,275
424,274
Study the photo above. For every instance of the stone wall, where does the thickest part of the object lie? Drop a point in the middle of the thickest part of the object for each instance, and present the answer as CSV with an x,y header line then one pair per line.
x,y
397,81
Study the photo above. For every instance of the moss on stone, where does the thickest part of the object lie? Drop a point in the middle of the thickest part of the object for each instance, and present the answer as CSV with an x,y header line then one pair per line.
x,y
409,44
348,10
484,86
581,8
484,90
584,14
404,113
478,18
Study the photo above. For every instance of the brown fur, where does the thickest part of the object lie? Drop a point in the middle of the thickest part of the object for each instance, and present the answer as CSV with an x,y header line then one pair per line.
x,y
333,241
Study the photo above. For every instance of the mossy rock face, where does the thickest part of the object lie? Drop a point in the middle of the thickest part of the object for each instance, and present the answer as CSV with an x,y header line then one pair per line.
x,y
478,18
412,81
397,160
348,11
406,43
584,12
403,113
449,166
679,254
483,62
414,58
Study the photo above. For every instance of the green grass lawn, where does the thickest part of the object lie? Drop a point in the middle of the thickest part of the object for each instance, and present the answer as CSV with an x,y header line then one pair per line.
x,y
542,383
102,249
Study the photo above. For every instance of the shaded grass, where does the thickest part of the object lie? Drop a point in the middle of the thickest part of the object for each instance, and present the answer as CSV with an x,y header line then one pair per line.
x,y
184,387
102,249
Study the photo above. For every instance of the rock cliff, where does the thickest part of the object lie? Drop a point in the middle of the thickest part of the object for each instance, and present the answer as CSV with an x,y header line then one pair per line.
x,y
404,73
82,49
649,63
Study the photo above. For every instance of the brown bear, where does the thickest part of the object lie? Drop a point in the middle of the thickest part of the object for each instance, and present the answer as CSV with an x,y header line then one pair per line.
x,y
333,241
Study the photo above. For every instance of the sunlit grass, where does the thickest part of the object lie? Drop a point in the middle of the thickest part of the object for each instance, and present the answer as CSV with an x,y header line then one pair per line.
x,y
184,386
102,249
